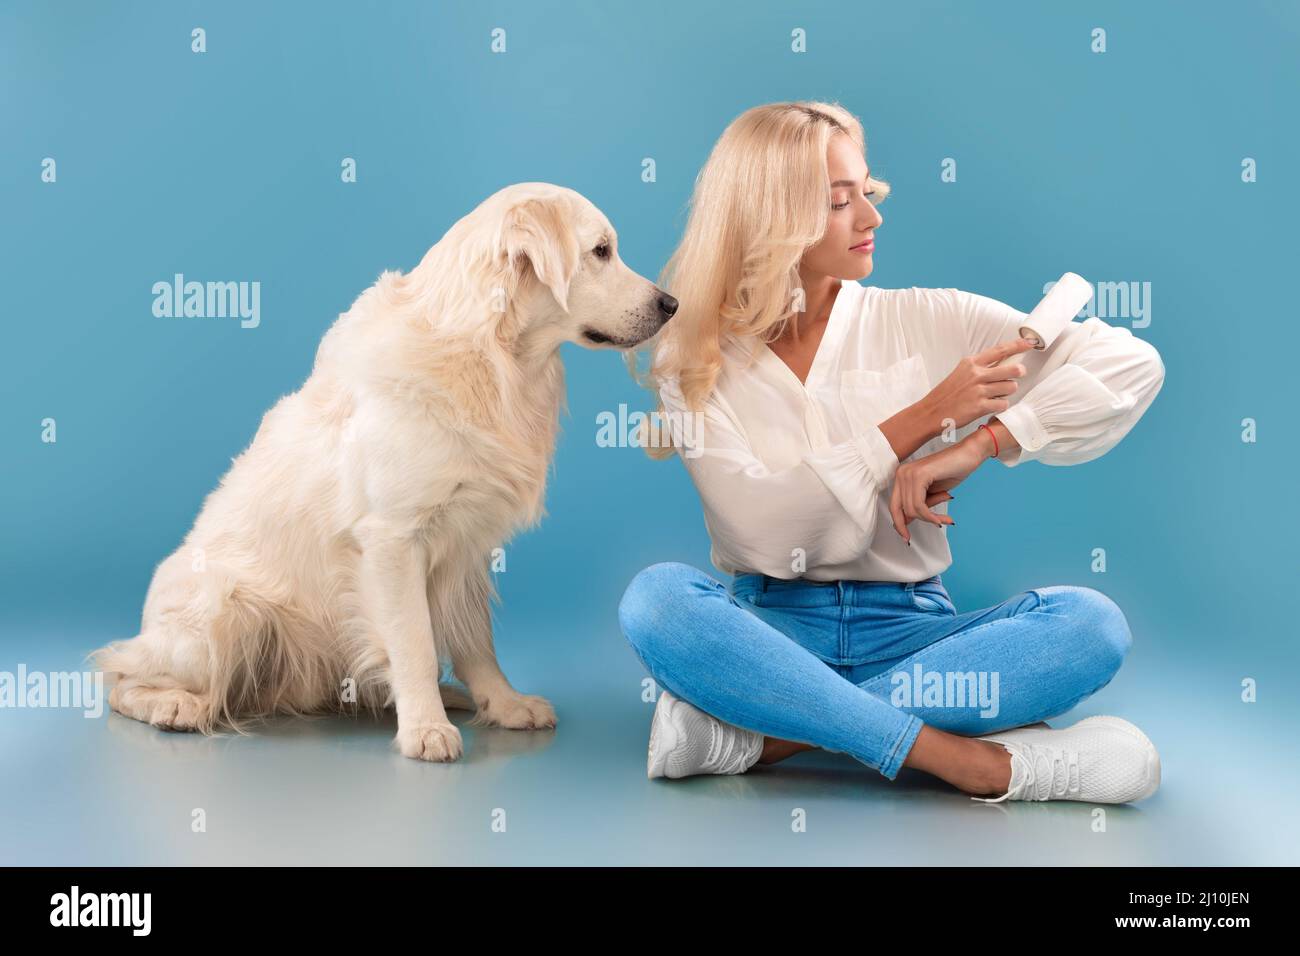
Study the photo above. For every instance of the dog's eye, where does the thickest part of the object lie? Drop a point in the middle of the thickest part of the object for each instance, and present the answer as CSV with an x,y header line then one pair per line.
x,y
602,251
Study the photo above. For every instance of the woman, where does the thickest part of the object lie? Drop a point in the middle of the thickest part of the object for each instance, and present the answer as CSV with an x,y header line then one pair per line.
x,y
803,406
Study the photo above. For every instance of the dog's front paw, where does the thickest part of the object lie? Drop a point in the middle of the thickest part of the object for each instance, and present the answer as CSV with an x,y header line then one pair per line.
x,y
521,712
436,742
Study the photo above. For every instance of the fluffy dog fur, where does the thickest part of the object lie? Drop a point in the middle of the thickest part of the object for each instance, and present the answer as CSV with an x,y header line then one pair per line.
x,y
348,547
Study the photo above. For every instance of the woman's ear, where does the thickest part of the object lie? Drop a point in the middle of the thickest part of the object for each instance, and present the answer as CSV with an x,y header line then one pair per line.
x,y
537,236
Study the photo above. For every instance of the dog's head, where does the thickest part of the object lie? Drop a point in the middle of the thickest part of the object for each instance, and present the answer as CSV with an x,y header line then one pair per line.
x,y
560,277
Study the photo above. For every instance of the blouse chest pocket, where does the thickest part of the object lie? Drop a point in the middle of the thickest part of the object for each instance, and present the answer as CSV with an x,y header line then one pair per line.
x,y
871,397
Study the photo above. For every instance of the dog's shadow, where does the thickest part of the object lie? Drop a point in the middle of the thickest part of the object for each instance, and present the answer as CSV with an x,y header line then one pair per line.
x,y
361,731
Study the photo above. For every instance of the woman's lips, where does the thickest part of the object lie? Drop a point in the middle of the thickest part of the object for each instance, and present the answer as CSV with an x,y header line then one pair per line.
x,y
866,247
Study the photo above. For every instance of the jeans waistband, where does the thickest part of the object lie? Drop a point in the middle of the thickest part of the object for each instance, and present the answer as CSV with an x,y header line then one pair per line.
x,y
766,591
761,582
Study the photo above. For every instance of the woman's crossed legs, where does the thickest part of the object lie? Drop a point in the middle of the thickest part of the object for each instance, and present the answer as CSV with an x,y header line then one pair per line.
x,y
1031,657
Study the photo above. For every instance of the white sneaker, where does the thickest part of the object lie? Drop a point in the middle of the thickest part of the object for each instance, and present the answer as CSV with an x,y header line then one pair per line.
x,y
684,740
1098,760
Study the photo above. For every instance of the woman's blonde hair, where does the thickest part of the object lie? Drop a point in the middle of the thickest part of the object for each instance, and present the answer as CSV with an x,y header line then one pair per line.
x,y
761,200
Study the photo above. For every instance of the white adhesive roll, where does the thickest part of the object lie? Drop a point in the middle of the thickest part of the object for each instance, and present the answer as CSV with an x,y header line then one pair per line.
x,y
1054,313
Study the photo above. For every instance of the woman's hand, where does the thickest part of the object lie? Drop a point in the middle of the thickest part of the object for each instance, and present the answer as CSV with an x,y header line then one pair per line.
x,y
978,385
925,482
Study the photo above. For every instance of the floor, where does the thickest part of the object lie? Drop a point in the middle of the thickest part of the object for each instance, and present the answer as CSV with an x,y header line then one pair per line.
x,y
108,790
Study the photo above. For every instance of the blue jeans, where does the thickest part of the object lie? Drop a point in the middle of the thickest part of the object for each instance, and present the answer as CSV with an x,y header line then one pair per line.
x,y
857,667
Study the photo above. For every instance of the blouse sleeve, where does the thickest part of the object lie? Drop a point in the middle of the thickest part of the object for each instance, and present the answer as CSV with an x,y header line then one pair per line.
x,y
826,504
1079,396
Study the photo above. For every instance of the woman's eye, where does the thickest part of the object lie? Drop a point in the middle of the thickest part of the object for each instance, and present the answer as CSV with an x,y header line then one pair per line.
x,y
840,205
602,251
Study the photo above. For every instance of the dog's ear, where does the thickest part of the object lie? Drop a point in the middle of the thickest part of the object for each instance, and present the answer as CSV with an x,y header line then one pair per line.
x,y
536,236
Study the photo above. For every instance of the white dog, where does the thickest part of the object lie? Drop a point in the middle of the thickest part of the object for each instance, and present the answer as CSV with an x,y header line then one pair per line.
x,y
345,555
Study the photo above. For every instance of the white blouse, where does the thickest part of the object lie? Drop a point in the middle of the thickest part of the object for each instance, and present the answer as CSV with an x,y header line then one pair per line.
x,y
795,478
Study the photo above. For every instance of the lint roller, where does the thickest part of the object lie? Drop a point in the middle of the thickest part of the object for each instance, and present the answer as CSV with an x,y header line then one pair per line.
x,y
1056,311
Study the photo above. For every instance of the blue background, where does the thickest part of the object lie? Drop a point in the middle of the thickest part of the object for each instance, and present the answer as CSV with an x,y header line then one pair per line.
x,y
1122,166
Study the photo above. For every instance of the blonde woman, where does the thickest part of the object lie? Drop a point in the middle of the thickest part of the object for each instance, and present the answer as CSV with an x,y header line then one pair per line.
x,y
824,424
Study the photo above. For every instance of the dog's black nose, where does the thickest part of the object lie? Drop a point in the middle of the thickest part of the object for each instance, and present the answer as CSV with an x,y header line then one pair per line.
x,y
667,305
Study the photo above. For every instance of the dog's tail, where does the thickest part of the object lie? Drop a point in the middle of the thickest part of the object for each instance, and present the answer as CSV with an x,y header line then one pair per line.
x,y
115,659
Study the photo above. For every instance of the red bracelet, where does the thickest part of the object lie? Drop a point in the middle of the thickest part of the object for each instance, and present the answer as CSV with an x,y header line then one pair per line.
x,y
996,452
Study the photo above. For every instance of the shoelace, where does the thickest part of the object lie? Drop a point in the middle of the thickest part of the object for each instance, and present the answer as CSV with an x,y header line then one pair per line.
x,y
726,748
1055,773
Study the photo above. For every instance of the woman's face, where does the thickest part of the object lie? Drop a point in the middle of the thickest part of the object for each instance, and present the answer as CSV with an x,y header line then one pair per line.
x,y
845,251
